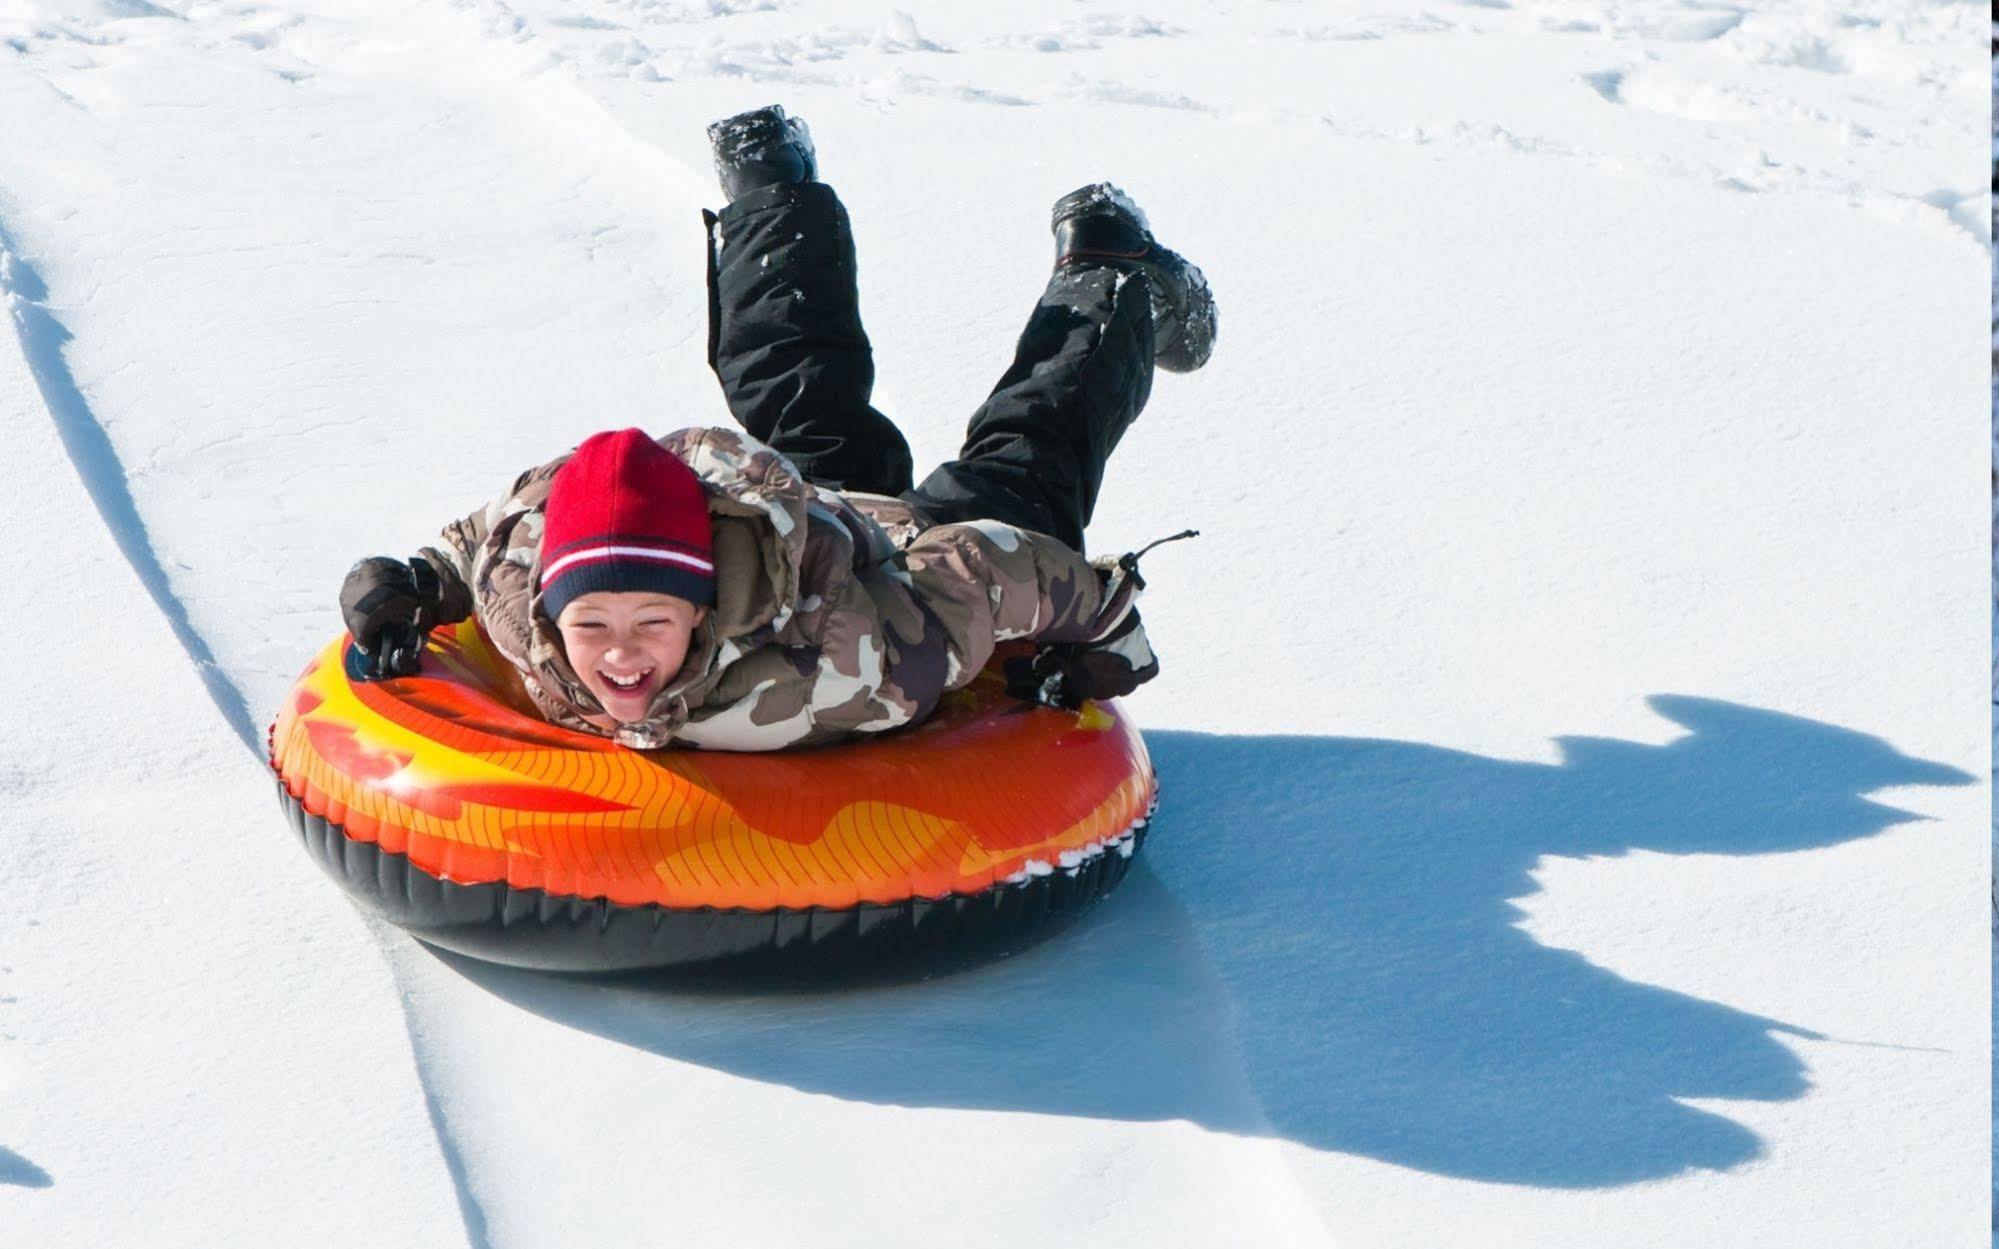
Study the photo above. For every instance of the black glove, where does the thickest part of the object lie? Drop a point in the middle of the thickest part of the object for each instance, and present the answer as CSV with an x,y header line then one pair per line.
x,y
1065,674
389,606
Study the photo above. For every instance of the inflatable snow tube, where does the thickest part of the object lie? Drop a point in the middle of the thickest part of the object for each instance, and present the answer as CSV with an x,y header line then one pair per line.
x,y
445,804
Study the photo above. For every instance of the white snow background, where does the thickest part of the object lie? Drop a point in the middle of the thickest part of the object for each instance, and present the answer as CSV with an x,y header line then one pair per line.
x,y
1575,809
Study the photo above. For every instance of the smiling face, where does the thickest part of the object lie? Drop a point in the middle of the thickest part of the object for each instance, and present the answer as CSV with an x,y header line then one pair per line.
x,y
627,644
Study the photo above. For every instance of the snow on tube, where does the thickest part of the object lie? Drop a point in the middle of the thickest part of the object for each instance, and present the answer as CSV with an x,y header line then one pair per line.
x,y
445,804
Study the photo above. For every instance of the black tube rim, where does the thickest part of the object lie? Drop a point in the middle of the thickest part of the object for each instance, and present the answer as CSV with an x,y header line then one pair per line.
x,y
532,928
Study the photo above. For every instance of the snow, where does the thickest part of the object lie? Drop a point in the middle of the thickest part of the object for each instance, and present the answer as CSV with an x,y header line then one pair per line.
x,y
1575,827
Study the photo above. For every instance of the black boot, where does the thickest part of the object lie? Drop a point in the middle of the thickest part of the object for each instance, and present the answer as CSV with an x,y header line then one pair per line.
x,y
762,148
1099,224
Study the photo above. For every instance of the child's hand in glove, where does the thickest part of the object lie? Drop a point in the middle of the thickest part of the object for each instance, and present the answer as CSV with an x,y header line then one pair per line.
x,y
389,607
1065,674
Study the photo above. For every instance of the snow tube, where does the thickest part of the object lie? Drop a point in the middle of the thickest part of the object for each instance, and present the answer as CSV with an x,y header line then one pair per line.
x,y
445,804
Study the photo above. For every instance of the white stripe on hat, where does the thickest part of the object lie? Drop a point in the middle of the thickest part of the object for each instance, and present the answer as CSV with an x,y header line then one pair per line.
x,y
589,554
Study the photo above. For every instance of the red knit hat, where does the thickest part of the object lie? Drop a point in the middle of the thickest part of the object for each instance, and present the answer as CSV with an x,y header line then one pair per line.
x,y
625,514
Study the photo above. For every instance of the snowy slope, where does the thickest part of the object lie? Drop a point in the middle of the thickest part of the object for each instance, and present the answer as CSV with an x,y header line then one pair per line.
x,y
168,974
1569,836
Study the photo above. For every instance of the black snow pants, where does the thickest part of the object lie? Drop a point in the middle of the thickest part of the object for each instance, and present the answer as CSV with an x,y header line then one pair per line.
x,y
785,338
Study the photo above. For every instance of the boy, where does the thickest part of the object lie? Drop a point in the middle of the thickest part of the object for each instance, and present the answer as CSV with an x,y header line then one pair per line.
x,y
793,587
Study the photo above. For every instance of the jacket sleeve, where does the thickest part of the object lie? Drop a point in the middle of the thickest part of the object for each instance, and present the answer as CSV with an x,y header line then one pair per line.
x,y
987,583
454,556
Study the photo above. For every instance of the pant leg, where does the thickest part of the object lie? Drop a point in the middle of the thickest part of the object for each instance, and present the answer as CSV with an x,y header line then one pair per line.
x,y
1034,454
786,342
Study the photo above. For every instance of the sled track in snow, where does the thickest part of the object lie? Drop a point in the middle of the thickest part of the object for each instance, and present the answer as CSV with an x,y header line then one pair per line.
x,y
103,475
470,1211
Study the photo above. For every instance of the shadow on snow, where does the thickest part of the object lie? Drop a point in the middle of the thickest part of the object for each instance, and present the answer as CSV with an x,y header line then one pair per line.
x,y
1322,948
18,1171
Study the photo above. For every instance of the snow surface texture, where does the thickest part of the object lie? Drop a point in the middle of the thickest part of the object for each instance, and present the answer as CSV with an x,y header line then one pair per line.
x,y
1571,835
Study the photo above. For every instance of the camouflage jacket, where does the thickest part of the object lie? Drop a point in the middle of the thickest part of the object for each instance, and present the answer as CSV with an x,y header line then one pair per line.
x,y
836,614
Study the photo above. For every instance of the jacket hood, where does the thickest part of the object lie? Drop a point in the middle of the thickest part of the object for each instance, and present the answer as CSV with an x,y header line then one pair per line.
x,y
758,503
